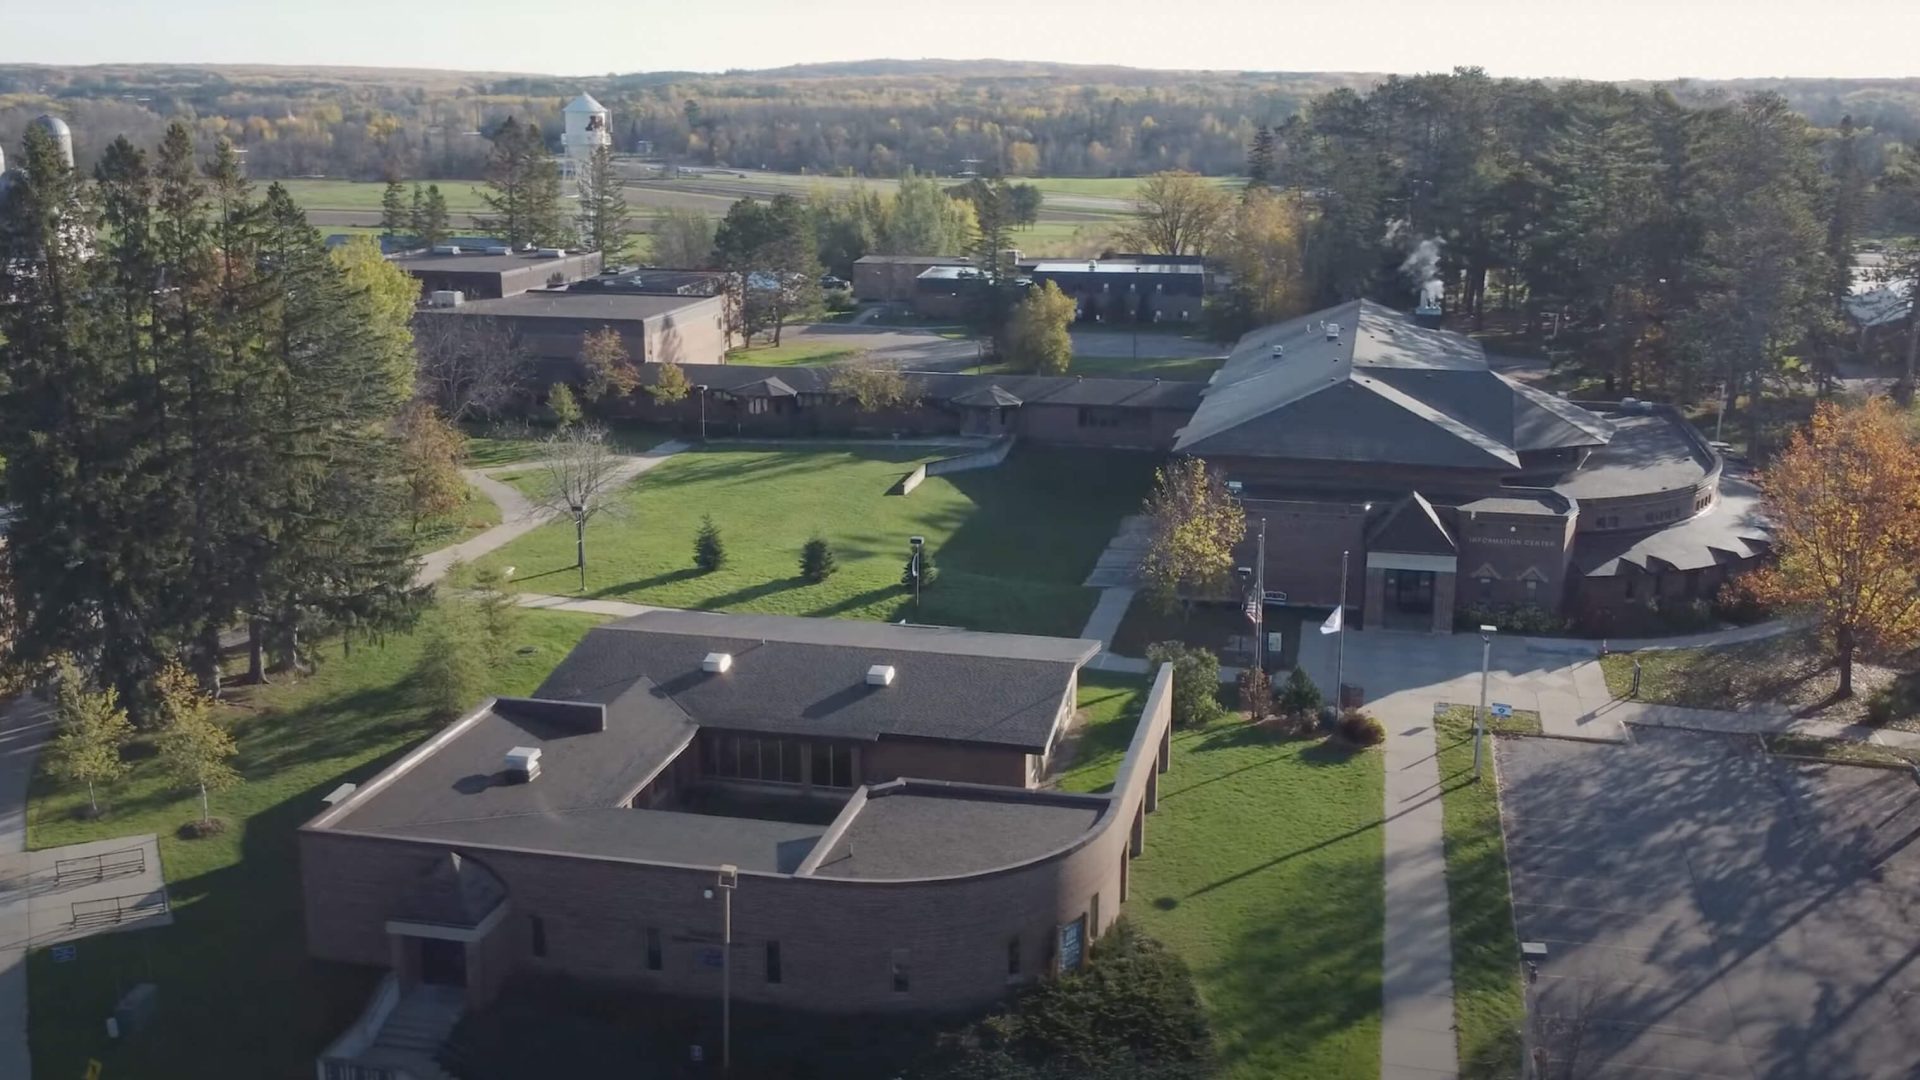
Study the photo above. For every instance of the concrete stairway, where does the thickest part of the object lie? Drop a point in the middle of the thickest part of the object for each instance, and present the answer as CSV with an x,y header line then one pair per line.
x,y
417,1029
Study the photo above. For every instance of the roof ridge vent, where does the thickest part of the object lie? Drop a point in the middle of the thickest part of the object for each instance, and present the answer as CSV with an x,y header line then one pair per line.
x,y
880,675
717,663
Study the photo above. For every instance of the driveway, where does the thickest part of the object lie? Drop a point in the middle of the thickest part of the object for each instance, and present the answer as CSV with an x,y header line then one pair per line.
x,y
1712,911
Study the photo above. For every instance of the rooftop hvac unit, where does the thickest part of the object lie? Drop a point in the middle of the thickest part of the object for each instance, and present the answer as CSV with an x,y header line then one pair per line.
x,y
551,253
446,249
717,663
447,298
880,675
523,764
499,249
1333,331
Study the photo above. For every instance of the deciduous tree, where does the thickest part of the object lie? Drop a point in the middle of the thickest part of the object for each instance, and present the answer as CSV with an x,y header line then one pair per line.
x,y
603,360
1194,524
431,450
580,476
1175,213
872,385
566,411
92,730
1844,503
670,385
1262,247
195,748
682,238
1039,341
468,365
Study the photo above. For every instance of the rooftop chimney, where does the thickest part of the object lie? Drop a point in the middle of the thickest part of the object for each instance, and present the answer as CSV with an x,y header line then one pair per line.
x,y
523,764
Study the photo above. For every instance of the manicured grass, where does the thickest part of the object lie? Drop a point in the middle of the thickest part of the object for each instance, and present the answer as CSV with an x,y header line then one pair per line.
x,y
1262,868
1839,751
792,354
1489,1004
238,996
1519,722
1109,705
462,195
477,516
1012,544
509,444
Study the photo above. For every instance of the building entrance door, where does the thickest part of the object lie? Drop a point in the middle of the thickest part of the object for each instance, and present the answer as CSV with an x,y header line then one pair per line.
x,y
442,962
1410,592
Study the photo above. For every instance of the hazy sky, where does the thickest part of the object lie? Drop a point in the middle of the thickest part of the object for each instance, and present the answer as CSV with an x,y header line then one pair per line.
x,y
1594,38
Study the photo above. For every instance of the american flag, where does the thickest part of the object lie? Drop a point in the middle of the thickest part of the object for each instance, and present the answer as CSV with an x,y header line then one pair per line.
x,y
1253,605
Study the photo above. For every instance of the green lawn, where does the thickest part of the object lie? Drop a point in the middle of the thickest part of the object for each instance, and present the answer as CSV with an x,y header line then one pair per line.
x,y
238,996
1263,869
477,516
509,444
1489,1006
1012,544
792,354
462,195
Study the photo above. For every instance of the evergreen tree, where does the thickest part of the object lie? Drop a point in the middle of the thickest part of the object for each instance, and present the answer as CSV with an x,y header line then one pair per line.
x,y
604,219
1845,203
452,666
817,562
394,216
523,189
435,225
709,553
993,300
416,213
1260,158
495,612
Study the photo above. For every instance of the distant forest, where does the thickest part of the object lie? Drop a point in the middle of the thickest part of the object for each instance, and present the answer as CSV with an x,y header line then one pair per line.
x,y
873,118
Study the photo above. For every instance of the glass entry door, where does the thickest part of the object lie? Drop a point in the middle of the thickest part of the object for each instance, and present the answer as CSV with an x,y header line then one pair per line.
x,y
1410,592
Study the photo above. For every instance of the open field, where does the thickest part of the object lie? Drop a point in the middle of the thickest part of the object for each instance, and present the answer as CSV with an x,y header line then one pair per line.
x,y
462,195
1263,869
238,996
1012,544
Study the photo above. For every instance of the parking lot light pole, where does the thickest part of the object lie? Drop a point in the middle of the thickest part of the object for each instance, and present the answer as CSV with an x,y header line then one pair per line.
x,y
919,544
1480,718
702,388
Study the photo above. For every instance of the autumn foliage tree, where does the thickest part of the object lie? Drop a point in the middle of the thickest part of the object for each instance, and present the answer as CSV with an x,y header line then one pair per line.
x,y
1039,340
610,372
1193,526
1844,503
1176,213
431,451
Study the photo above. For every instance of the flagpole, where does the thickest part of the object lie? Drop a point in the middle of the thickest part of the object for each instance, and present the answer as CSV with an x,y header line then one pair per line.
x,y
1260,601
1340,663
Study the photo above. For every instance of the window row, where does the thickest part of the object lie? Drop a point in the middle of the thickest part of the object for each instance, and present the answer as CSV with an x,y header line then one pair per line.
x,y
781,761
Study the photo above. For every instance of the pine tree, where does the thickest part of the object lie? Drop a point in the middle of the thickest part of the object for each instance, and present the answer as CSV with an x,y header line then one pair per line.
x,y
416,213
709,553
817,562
1260,158
93,729
604,219
435,225
495,611
451,667
393,210
195,748
993,300
523,193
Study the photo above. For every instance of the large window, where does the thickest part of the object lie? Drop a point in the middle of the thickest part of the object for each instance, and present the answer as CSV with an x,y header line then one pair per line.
x,y
756,757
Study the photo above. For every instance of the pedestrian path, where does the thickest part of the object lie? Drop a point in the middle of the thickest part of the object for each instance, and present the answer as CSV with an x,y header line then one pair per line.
x,y
518,514
25,724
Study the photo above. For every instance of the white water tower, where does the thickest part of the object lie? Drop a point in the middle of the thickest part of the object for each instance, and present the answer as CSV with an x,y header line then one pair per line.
x,y
588,127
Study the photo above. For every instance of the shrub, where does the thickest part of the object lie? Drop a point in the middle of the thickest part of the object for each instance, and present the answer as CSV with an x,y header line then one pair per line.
x,y
1362,728
1511,618
709,553
1685,616
566,409
1130,1011
929,573
816,560
1256,694
837,299
1298,695
1896,700
1196,681
1737,604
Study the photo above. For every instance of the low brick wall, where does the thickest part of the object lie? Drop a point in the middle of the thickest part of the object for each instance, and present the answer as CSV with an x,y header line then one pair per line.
x,y
978,459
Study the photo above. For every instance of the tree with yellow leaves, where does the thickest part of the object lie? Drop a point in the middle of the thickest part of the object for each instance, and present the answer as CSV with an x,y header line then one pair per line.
x,y
1175,213
196,750
1844,504
1193,526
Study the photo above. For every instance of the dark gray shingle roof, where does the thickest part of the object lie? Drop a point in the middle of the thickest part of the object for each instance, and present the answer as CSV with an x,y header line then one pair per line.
x,y
919,828
808,676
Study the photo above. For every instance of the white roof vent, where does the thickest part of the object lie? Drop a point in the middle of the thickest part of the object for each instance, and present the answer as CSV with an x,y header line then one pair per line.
x,y
1333,331
499,249
523,764
446,249
717,663
1279,351
551,253
880,675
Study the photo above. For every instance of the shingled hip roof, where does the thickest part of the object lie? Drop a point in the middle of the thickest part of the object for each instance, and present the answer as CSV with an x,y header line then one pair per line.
x,y
1360,382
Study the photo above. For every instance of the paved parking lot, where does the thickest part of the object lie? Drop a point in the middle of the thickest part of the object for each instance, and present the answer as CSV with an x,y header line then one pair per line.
x,y
1711,911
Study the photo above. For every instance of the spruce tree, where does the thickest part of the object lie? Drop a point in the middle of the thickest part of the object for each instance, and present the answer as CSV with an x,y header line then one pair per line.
x,y
416,213
817,562
393,210
523,183
604,219
709,553
1260,158
435,225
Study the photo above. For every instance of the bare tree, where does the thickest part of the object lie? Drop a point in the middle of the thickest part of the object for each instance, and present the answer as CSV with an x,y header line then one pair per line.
x,y
581,474
468,364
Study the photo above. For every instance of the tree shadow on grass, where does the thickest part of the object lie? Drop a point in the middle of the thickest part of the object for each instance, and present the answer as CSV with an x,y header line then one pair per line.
x,y
628,588
755,592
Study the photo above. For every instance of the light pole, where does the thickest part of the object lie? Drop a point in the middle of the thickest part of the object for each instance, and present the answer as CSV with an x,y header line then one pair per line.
x,y
919,544
1480,718
728,880
702,388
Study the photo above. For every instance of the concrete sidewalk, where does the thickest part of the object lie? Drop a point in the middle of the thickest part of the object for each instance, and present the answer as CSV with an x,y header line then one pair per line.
x,y
518,515
25,725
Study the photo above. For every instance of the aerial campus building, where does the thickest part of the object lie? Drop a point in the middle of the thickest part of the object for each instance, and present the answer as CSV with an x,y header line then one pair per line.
x,y
876,788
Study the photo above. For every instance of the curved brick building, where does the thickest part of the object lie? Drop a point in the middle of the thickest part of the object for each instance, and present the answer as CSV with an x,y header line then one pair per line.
x,y
876,787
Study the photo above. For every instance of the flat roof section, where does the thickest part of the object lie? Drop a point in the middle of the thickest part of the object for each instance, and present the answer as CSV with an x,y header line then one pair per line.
x,y
579,305
1096,266
665,836
1734,530
1650,452
475,262
914,828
